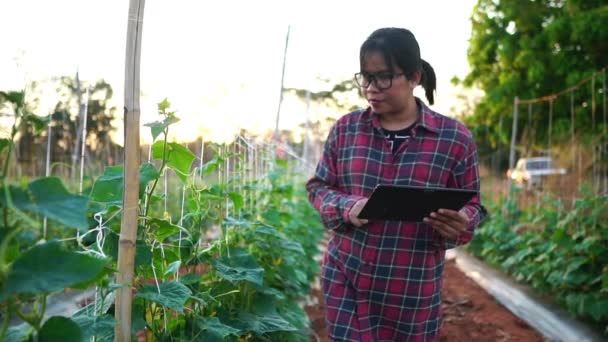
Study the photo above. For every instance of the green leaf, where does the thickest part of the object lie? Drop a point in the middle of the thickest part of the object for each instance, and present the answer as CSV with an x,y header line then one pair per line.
x,y
214,330
14,97
240,266
39,123
237,200
96,326
265,323
48,197
89,310
173,267
143,255
576,263
231,222
4,143
54,201
18,333
138,315
281,163
294,314
163,105
162,229
47,267
147,174
108,188
173,295
60,329
158,127
204,297
210,166
598,309
190,278
179,158
271,293
267,233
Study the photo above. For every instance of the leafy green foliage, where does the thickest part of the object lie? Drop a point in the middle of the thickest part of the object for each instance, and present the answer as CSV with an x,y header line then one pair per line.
x,y
238,266
531,49
158,127
179,158
101,327
18,333
108,188
246,285
560,251
48,197
60,329
212,329
172,295
48,267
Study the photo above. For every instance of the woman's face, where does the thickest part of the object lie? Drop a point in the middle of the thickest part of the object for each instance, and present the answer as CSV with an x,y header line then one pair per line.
x,y
387,92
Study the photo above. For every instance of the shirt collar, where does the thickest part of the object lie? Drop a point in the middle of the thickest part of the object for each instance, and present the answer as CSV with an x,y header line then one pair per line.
x,y
427,119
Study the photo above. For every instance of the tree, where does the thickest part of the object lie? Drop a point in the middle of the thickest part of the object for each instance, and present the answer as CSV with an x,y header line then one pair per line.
x,y
531,49
340,96
66,122
99,115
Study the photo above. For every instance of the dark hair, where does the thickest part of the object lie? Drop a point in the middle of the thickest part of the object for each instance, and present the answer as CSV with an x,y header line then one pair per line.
x,y
399,47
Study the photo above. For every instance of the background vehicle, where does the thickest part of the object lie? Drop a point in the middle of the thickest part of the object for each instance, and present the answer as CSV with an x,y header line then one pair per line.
x,y
531,172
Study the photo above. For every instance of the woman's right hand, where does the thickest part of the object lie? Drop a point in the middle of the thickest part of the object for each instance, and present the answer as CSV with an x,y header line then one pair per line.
x,y
354,212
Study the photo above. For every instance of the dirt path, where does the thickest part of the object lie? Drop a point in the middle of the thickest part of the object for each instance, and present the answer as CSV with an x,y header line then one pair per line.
x,y
470,314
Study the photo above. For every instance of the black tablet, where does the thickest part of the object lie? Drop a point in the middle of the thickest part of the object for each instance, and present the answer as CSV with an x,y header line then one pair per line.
x,y
412,203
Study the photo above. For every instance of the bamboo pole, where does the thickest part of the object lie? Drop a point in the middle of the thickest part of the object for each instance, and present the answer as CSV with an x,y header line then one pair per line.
x,y
128,230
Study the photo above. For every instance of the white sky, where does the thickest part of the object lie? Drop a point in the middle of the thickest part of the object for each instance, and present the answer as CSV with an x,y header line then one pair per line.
x,y
219,62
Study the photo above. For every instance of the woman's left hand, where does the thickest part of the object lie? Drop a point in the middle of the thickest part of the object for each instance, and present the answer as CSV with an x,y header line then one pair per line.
x,y
451,224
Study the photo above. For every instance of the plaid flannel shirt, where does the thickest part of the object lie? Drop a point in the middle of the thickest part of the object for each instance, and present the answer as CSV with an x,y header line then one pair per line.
x,y
382,282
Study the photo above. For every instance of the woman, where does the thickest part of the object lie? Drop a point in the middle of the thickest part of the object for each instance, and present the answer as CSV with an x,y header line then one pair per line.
x,y
382,279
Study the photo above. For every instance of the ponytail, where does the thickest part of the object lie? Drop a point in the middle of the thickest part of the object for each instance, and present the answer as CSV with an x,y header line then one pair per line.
x,y
428,81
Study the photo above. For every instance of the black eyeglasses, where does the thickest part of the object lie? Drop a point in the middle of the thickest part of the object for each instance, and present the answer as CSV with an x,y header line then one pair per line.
x,y
382,80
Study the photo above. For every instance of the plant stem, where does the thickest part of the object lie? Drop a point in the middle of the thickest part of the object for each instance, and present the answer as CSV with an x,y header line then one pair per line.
x,y
43,307
160,171
7,320
3,249
29,319
10,146
6,162
5,217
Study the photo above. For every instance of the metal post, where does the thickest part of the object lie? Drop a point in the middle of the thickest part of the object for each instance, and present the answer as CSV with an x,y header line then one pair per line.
x,y
47,172
276,127
513,136
572,130
84,140
550,125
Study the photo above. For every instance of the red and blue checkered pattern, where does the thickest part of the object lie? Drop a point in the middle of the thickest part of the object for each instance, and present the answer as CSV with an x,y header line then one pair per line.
x,y
382,282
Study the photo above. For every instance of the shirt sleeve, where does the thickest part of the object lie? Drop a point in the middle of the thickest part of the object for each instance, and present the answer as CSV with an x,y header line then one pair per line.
x,y
466,176
333,203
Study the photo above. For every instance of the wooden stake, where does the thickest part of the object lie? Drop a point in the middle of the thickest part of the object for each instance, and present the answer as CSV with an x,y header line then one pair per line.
x,y
128,230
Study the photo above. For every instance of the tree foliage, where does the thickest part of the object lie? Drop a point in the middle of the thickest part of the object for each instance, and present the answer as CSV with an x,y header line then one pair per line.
x,y
66,122
531,49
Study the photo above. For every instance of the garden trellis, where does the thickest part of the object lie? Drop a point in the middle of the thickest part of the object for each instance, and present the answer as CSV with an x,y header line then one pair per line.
x,y
551,126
